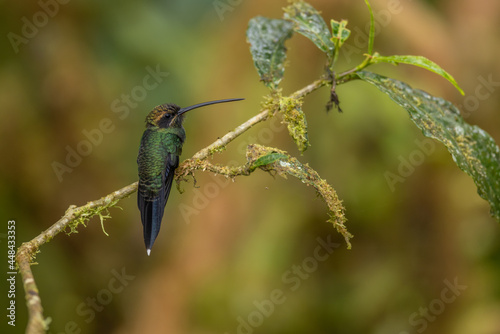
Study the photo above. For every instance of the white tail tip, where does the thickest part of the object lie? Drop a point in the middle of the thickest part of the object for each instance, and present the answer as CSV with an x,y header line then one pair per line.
x,y
148,251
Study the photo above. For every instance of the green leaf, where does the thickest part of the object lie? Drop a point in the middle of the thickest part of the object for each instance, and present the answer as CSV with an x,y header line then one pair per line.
x,y
371,38
339,33
267,44
473,150
417,61
267,159
308,22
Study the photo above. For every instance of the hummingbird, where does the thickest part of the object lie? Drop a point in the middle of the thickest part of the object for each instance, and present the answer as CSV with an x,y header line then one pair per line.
x,y
161,146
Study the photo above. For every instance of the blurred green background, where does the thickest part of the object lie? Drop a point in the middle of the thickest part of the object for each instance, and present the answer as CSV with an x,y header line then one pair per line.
x,y
239,257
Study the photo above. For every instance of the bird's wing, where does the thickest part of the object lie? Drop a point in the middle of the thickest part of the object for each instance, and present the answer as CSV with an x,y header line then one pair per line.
x,y
157,163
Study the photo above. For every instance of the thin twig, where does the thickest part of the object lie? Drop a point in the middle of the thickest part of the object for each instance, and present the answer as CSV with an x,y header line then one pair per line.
x,y
230,136
262,116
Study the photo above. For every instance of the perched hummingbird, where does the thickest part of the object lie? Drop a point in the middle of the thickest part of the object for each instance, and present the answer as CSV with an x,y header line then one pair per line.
x,y
161,146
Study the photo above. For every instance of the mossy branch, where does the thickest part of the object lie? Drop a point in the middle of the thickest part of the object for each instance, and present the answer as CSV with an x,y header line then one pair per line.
x,y
26,253
75,216
274,160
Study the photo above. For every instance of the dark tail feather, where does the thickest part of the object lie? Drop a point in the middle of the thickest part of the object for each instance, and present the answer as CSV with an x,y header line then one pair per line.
x,y
151,216
152,208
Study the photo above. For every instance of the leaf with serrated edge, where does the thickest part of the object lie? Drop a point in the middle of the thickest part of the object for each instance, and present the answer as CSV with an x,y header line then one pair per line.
x,y
473,150
418,61
339,35
267,45
340,32
308,22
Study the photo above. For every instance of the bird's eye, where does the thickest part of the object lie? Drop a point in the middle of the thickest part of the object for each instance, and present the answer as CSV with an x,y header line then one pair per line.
x,y
165,120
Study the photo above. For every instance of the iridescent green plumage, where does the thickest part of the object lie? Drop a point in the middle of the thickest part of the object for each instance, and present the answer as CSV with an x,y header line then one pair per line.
x,y
161,146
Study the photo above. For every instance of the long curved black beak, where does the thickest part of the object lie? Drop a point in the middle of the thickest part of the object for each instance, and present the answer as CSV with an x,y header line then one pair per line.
x,y
183,110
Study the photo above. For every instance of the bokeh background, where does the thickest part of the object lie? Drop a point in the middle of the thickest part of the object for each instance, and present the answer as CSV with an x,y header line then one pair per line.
x,y
226,248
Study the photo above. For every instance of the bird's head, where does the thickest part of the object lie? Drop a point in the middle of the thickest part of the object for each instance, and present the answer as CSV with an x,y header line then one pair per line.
x,y
171,115
165,116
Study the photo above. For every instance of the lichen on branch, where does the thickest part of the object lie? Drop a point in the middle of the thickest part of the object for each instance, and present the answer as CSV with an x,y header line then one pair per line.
x,y
292,166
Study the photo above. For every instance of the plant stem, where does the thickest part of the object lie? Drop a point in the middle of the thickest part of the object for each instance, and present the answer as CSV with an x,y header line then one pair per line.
x,y
350,74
